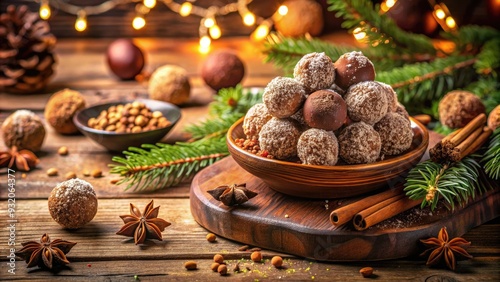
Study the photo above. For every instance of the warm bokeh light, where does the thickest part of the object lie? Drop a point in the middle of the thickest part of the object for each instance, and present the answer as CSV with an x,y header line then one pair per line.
x,y
205,42
450,22
81,22
440,14
45,10
186,8
149,3
283,10
138,22
386,5
358,34
260,32
215,32
209,22
249,19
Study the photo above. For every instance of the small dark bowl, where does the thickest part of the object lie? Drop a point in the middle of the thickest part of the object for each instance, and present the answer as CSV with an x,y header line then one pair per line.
x,y
118,142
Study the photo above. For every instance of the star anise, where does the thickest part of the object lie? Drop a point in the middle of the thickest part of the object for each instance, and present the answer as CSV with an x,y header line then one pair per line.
x,y
143,226
45,253
24,160
443,247
231,195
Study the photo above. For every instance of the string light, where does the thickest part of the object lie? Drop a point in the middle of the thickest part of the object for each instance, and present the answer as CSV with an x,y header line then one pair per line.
x,y
440,14
359,34
283,10
205,42
186,9
45,10
150,4
209,22
249,19
444,18
215,32
81,21
387,5
138,22
450,22
261,31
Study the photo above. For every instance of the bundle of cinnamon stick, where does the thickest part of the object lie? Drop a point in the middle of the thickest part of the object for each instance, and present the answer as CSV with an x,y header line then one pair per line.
x,y
461,142
373,209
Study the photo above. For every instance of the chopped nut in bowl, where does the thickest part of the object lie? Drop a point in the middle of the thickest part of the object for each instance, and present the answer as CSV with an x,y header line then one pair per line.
x,y
120,125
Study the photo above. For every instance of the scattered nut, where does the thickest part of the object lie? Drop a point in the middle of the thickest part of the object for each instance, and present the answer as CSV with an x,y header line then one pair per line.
x,y
63,151
190,265
222,269
366,271
214,266
70,175
277,261
211,237
86,173
114,180
256,256
52,171
218,258
96,173
23,176
236,268
255,249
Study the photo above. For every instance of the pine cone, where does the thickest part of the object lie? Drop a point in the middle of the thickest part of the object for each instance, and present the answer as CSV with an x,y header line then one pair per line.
x,y
26,59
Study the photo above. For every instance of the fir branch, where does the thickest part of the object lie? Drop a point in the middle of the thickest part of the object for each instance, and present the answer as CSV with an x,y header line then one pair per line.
x,y
491,158
470,38
488,60
487,88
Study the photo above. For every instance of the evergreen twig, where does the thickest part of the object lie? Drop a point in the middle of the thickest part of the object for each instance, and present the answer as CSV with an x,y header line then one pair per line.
x,y
491,158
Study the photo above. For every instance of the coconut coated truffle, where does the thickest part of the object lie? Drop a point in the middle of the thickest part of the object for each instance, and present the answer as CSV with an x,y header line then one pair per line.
x,y
457,108
494,118
325,109
279,138
315,71
318,147
359,143
367,102
352,68
254,120
392,97
23,129
283,96
395,133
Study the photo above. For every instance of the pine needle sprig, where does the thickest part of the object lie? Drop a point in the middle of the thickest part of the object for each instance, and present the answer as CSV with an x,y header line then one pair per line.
x,y
491,158
470,38
488,90
488,60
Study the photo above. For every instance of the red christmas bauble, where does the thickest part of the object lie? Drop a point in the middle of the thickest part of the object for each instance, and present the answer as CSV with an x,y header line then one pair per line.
x,y
125,59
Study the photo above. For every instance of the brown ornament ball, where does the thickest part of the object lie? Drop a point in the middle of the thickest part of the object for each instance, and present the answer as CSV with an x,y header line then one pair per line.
x,y
125,59
61,108
318,147
170,83
395,133
254,120
222,69
24,130
459,107
325,109
279,138
494,118
304,16
359,143
366,101
283,96
315,71
352,68
73,203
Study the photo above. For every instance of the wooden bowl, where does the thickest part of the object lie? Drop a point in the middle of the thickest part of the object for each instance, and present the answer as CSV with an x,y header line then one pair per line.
x,y
118,142
340,181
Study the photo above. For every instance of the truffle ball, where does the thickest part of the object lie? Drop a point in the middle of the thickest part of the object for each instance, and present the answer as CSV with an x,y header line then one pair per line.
x,y
125,59
222,69
299,117
283,96
24,130
392,97
359,143
318,147
170,83
337,89
494,118
395,133
325,109
61,108
400,109
367,102
303,16
73,203
315,71
254,120
351,68
279,138
457,108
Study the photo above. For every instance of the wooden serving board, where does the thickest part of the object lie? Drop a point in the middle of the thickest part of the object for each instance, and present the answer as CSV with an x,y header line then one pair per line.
x,y
301,227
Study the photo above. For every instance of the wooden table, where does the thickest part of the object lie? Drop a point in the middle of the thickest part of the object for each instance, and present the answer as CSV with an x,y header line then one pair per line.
x,y
102,255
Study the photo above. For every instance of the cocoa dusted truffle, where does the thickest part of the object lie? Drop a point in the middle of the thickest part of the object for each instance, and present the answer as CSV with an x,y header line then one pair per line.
x,y
494,118
279,138
459,107
351,68
170,83
325,109
318,147
401,110
283,96
359,143
73,203
24,130
61,108
395,133
392,97
222,69
315,71
299,117
254,120
367,102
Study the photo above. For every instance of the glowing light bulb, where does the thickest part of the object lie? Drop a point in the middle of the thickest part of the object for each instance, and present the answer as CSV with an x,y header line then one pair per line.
x,y
81,21
186,8
390,3
440,14
149,3
358,34
260,32
205,42
45,10
248,19
138,22
450,22
209,22
283,10
215,32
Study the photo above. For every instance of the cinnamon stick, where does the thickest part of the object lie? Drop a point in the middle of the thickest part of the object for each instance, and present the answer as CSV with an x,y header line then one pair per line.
x,y
466,131
478,142
345,214
366,212
402,204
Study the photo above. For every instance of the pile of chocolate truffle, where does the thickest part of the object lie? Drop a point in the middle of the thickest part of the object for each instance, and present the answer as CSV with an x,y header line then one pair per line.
x,y
330,111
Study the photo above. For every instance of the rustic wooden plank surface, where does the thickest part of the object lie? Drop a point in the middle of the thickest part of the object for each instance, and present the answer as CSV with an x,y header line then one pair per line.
x,y
103,256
